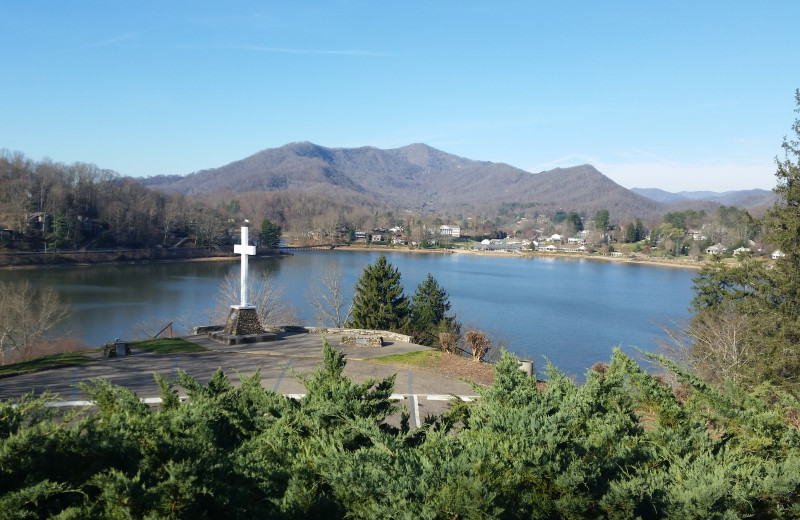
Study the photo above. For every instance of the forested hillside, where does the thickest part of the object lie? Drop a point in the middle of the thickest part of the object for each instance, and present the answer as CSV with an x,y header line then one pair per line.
x,y
58,206
416,178
319,195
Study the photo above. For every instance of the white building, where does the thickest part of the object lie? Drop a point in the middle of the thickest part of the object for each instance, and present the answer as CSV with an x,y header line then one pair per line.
x,y
450,231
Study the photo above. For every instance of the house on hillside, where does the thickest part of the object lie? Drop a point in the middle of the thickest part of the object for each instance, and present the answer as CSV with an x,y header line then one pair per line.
x,y
778,254
696,235
716,249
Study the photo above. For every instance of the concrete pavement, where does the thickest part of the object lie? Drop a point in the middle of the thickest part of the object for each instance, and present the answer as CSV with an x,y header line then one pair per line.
x,y
420,391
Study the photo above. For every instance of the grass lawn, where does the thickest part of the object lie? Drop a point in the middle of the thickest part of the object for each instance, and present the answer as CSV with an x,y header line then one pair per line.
x,y
166,346
450,365
421,358
54,360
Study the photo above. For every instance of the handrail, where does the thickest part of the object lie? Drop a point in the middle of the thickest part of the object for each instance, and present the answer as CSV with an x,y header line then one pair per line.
x,y
169,326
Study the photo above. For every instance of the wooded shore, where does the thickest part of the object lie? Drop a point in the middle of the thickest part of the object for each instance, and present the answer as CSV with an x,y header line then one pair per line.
x,y
29,260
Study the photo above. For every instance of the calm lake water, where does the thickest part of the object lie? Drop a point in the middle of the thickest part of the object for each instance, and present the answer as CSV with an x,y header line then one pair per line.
x,y
571,311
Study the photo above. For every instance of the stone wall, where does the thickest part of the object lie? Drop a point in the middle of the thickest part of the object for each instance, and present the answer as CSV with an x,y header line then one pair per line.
x,y
386,335
394,336
359,340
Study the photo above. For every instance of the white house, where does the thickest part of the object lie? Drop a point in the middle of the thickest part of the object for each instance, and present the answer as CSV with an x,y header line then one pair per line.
x,y
450,231
740,250
778,254
696,235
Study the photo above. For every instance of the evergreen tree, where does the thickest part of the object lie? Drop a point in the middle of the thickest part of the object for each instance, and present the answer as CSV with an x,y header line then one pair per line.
x,y
270,235
378,301
781,288
767,300
641,232
61,231
630,233
601,221
429,307
575,219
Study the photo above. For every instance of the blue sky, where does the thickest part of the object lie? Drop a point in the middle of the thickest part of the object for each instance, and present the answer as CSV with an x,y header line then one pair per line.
x,y
675,95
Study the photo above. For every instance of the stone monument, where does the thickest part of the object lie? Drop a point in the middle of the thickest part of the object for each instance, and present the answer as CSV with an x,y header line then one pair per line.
x,y
243,325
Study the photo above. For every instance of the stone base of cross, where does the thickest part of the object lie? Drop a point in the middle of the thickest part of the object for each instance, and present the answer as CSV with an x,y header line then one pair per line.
x,y
242,321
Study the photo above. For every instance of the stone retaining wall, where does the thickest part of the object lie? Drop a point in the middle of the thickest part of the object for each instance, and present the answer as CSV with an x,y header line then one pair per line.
x,y
386,335
361,341
394,336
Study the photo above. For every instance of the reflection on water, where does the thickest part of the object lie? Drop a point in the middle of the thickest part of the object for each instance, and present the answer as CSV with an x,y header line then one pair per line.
x,y
571,311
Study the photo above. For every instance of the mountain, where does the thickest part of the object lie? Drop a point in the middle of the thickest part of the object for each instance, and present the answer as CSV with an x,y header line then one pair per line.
x,y
418,178
741,198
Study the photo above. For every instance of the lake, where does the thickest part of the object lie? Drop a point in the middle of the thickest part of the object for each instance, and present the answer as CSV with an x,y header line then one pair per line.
x,y
572,311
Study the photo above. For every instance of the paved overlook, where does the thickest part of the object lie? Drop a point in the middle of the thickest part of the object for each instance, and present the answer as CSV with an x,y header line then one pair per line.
x,y
421,392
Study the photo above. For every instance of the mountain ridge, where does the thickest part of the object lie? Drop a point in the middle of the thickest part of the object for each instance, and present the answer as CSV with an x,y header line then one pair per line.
x,y
417,178
746,198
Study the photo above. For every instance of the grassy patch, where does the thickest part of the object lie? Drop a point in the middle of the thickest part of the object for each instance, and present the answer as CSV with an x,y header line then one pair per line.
x,y
167,346
54,360
420,358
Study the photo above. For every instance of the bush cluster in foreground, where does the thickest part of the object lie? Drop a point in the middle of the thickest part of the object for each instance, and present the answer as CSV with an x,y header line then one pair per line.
x,y
619,446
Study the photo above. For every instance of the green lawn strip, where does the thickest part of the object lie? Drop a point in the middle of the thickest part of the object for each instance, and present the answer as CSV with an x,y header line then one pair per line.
x,y
167,346
421,358
54,360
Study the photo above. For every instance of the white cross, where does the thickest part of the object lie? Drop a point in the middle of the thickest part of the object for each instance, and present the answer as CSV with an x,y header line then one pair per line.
x,y
244,249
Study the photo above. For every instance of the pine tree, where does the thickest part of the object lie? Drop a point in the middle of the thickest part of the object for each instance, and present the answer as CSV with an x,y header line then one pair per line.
x,y
630,233
429,307
641,232
768,300
781,288
270,235
379,302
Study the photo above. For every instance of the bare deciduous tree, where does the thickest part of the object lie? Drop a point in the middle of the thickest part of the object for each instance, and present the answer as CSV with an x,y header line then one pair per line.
x,y
478,343
326,296
26,315
264,293
714,346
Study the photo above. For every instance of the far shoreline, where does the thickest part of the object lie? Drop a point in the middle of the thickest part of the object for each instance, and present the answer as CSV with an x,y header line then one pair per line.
x,y
645,261
229,256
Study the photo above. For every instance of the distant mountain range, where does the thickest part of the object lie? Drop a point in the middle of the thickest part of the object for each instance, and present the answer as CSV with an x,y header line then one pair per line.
x,y
742,198
422,179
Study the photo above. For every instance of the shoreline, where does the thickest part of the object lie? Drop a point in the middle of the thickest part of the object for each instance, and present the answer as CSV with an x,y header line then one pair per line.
x,y
88,265
646,261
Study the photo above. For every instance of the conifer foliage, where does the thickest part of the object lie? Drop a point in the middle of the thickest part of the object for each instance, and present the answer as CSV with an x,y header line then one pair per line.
x,y
270,234
761,305
619,446
429,313
379,302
